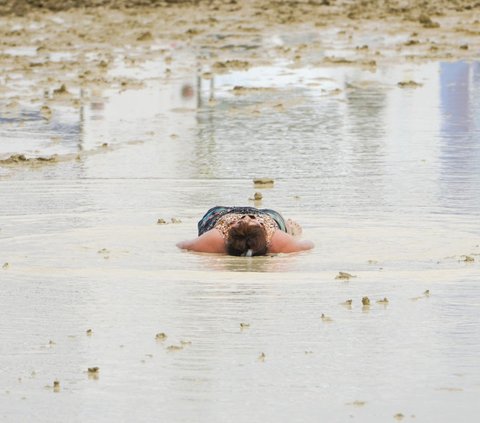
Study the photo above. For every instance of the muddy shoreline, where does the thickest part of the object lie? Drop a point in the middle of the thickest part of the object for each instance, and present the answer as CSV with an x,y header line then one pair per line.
x,y
368,9
83,38
53,58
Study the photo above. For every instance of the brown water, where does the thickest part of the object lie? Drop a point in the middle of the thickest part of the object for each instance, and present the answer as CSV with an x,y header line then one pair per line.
x,y
385,180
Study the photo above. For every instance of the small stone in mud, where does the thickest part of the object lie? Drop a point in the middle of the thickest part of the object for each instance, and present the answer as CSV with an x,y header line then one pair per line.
x,y
175,347
160,336
192,31
357,403
369,63
398,416
244,325
262,357
464,47
231,64
105,145
338,60
161,222
46,159
409,84
60,91
427,22
175,220
425,294
46,112
89,332
263,182
56,386
146,36
93,372
326,319
257,196
412,42
366,301
384,301
344,275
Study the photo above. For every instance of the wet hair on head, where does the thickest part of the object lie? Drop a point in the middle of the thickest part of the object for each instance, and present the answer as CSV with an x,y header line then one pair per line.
x,y
245,240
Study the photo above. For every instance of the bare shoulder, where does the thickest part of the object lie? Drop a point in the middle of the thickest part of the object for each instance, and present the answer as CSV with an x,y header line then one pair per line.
x,y
284,243
210,242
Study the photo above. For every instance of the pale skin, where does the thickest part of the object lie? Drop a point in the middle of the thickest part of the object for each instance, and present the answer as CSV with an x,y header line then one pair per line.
x,y
212,241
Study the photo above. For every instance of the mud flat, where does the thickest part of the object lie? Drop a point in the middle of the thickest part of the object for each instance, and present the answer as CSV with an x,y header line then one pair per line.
x,y
64,48
122,122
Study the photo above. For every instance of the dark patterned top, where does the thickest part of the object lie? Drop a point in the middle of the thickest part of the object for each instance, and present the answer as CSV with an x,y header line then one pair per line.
x,y
272,219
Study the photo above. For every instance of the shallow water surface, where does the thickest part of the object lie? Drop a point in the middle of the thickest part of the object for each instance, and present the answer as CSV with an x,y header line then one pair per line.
x,y
384,179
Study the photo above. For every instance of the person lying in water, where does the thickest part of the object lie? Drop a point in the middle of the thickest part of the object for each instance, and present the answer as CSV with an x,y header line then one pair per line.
x,y
246,231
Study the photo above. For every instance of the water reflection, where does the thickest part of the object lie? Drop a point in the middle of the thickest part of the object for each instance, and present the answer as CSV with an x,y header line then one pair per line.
x,y
460,132
347,135
264,264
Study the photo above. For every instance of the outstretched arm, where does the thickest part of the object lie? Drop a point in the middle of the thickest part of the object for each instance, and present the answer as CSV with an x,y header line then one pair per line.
x,y
285,243
209,242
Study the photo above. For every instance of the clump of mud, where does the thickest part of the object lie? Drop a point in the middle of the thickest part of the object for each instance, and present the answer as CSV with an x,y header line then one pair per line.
x,y
221,67
22,159
344,276
366,301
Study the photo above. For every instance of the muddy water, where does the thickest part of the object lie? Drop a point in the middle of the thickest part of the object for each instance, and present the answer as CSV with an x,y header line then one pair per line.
x,y
384,178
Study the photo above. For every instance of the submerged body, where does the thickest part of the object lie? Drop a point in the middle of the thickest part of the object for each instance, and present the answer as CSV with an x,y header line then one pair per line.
x,y
246,231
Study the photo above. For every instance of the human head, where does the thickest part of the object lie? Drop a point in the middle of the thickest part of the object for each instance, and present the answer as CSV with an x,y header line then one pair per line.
x,y
244,236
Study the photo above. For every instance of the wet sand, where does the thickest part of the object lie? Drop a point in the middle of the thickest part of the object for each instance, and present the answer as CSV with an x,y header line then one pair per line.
x,y
120,126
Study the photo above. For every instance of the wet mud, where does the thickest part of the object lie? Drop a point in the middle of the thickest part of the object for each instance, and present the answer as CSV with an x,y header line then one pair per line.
x,y
122,122
68,55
